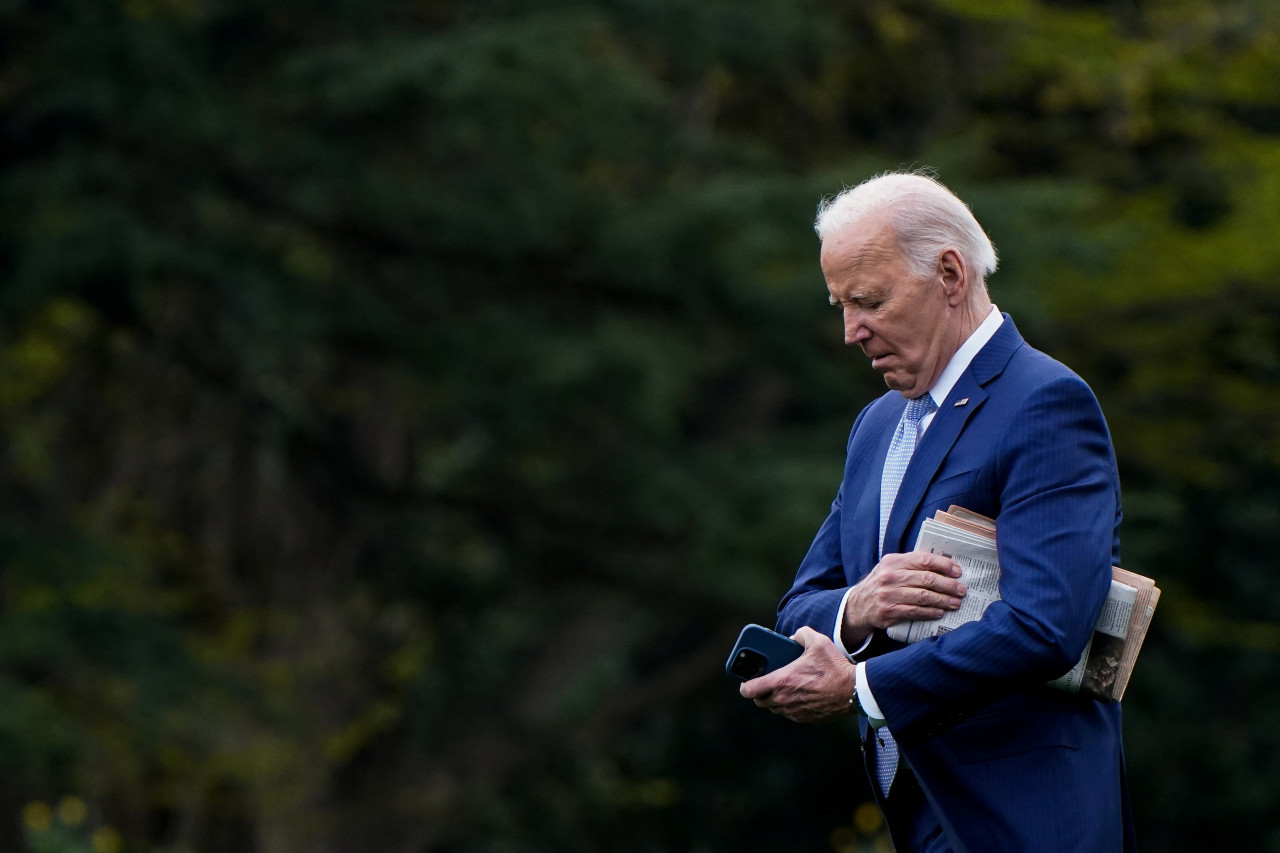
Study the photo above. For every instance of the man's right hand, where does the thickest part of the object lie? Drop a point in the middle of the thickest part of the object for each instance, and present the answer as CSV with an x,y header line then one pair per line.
x,y
901,588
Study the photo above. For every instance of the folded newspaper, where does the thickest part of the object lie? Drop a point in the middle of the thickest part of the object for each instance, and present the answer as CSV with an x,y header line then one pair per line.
x,y
1106,664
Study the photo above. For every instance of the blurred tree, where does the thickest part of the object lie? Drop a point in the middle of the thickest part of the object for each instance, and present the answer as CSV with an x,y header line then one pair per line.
x,y
404,406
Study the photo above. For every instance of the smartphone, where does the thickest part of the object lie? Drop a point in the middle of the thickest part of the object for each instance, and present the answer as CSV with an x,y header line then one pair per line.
x,y
760,651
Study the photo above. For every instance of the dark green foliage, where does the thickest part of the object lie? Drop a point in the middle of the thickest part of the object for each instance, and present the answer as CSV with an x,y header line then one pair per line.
x,y
404,404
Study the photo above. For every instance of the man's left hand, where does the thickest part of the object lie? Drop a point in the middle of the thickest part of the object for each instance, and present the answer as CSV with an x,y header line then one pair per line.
x,y
815,687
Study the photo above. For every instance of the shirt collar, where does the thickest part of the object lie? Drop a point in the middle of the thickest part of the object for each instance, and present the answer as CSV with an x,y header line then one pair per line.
x,y
959,362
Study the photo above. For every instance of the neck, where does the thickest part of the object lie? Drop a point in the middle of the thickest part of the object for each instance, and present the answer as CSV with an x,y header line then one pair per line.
x,y
969,315
972,314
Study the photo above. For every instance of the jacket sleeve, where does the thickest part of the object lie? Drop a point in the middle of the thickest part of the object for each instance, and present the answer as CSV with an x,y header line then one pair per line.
x,y
823,578
820,584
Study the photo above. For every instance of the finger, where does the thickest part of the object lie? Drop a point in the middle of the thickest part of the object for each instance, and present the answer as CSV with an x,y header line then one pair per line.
x,y
912,614
771,702
937,583
923,597
938,563
924,590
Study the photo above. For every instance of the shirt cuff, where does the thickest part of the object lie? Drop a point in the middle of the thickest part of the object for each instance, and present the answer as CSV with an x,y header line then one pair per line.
x,y
868,702
836,631
865,699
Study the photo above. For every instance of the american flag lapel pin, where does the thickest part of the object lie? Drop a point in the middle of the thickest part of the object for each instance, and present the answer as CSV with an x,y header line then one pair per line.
x,y
961,402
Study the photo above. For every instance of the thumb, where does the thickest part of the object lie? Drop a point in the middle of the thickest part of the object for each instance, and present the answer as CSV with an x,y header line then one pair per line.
x,y
806,636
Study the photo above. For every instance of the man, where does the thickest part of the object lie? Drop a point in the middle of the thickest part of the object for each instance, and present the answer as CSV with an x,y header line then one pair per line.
x,y
968,750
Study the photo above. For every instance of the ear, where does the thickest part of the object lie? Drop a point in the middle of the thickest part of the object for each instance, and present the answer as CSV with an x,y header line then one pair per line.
x,y
953,276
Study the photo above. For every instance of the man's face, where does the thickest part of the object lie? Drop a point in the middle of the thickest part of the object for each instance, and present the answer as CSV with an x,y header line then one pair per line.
x,y
903,323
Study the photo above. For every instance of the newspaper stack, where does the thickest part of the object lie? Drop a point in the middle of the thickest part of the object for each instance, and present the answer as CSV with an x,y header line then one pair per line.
x,y
1107,662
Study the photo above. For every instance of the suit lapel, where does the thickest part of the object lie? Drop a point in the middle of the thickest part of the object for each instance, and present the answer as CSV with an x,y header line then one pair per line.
x,y
862,482
965,398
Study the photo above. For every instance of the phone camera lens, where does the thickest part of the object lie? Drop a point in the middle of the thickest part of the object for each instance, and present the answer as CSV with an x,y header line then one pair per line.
x,y
749,664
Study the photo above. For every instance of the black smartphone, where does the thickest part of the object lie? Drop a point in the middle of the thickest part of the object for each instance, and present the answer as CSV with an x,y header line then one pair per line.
x,y
760,651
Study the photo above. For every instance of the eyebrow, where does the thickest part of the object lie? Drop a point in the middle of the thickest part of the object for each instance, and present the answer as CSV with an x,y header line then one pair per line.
x,y
856,296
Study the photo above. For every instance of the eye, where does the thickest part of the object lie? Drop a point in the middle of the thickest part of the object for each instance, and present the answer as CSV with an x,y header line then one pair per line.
x,y
863,303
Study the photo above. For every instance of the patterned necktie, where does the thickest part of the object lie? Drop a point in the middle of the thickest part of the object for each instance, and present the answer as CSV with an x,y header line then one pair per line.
x,y
895,466
900,450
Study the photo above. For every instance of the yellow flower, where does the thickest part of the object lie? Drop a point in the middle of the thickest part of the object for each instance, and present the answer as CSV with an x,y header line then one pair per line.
x,y
107,840
72,811
867,819
37,816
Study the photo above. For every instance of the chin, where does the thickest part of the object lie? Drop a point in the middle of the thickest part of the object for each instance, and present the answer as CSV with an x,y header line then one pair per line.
x,y
898,385
908,391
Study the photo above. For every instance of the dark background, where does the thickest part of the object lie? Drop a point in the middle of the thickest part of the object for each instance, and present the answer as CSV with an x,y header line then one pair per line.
x,y
404,404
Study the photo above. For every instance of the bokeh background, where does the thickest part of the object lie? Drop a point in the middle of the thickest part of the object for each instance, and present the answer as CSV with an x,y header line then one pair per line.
x,y
403,404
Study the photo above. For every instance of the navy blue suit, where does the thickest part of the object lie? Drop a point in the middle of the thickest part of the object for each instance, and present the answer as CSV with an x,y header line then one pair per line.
x,y
1007,763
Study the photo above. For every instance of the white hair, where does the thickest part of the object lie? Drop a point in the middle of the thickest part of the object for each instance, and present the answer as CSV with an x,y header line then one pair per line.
x,y
926,216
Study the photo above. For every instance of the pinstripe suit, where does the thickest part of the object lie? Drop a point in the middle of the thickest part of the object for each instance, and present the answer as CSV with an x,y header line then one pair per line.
x,y
1007,764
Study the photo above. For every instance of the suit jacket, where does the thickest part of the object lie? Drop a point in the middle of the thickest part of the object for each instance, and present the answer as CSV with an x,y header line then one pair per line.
x,y
1007,763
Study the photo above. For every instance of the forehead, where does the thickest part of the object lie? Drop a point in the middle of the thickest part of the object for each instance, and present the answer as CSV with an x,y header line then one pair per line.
x,y
852,254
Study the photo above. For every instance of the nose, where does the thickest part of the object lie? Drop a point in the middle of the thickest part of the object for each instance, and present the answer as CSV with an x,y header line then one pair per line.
x,y
854,330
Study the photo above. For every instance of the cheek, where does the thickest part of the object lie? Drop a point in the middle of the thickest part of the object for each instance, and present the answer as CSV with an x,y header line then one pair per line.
x,y
919,340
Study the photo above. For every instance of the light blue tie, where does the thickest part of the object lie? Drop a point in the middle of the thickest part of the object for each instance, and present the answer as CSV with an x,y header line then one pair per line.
x,y
895,466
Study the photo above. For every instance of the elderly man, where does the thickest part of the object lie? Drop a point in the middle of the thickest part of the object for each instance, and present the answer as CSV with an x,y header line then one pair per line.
x,y
966,748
